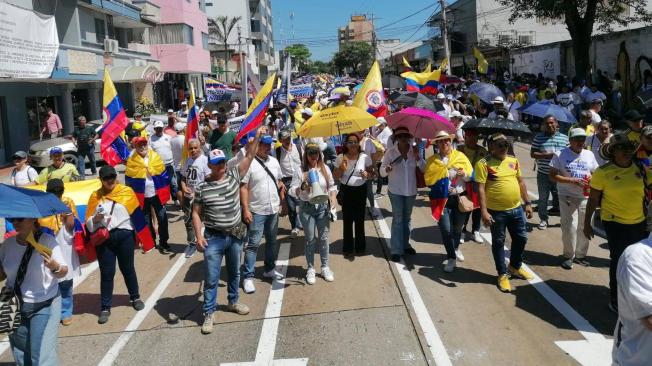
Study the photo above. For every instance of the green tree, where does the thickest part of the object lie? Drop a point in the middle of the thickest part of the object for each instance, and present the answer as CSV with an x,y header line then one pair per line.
x,y
321,67
580,17
220,28
354,55
300,56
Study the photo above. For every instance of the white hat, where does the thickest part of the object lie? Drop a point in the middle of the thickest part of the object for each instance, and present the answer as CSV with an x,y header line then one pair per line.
x,y
216,156
215,112
498,100
179,126
577,132
441,96
382,120
159,124
456,114
184,103
307,111
170,110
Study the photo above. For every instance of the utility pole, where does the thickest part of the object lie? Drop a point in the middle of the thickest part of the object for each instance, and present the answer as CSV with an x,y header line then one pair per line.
x,y
243,73
444,33
374,41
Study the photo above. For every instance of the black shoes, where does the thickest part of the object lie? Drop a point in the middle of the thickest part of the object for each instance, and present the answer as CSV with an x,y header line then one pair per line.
x,y
410,251
396,258
104,316
137,304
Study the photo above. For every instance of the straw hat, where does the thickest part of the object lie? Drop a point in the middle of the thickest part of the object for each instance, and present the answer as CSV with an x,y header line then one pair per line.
x,y
619,139
443,135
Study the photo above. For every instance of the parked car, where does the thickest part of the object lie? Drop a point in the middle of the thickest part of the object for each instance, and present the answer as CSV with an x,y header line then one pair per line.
x,y
39,152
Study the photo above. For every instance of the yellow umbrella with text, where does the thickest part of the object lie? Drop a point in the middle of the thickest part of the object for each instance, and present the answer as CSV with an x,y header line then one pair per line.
x,y
337,120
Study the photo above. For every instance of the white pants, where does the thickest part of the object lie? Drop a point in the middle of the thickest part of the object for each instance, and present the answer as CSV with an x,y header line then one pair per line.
x,y
572,211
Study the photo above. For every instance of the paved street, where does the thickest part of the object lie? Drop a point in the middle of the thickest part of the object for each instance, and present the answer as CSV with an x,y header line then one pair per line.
x,y
375,313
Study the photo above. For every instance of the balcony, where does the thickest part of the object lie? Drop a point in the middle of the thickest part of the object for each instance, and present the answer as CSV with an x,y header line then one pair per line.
x,y
125,15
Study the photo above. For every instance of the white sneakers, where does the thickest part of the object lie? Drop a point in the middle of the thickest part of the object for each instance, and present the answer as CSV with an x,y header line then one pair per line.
x,y
450,265
310,276
328,275
248,286
273,274
294,233
459,255
476,237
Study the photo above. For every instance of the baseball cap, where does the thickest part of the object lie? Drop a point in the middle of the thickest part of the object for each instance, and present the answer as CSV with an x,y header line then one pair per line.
x,y
54,185
441,96
267,140
456,114
633,115
107,171
216,156
381,120
179,126
19,155
170,110
56,151
307,111
140,140
576,132
498,100
647,131
284,133
159,124
184,103
214,112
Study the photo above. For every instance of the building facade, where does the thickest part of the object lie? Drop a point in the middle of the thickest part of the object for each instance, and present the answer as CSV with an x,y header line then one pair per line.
x,y
359,29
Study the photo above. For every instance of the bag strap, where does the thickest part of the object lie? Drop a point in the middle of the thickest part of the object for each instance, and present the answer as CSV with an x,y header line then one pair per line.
x,y
22,271
262,163
355,163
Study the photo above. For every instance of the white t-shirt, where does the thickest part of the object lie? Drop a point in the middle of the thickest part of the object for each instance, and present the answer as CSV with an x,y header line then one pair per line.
x,y
263,196
368,146
327,183
150,188
20,178
195,171
353,169
162,145
632,340
64,238
39,284
595,118
384,135
177,150
570,164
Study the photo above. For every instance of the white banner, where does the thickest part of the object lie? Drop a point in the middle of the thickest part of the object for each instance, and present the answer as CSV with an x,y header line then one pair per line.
x,y
28,43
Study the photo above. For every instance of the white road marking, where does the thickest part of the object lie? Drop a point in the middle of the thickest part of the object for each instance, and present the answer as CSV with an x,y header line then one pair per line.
x,y
133,325
269,333
433,340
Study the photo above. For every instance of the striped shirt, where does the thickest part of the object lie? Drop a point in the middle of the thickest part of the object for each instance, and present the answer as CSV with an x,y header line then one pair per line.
x,y
548,144
220,201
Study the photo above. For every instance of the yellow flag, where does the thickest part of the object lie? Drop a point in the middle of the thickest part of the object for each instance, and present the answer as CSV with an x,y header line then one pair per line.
x,y
370,97
483,65
428,68
443,63
406,63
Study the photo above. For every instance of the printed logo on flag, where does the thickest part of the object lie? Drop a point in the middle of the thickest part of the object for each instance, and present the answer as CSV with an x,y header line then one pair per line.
x,y
374,99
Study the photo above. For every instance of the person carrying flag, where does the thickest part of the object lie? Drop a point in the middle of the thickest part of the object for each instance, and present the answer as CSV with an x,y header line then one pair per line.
x,y
504,205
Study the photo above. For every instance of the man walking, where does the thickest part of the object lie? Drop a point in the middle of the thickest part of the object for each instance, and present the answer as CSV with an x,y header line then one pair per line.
x,y
260,206
162,144
571,168
222,138
544,147
53,127
193,172
289,160
84,138
504,205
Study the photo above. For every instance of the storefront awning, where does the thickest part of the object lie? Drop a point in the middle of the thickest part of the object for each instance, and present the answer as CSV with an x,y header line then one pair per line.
x,y
148,73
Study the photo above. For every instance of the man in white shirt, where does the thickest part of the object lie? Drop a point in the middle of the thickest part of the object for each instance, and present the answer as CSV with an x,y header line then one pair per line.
x,y
289,159
382,132
183,112
566,99
512,106
633,333
162,144
595,107
176,144
499,109
441,98
261,197
458,121
194,171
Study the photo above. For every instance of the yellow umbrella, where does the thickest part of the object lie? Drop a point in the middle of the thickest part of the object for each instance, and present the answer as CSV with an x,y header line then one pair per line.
x,y
337,121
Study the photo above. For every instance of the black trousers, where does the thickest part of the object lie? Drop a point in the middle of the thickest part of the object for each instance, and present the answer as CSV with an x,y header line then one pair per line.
x,y
353,213
619,237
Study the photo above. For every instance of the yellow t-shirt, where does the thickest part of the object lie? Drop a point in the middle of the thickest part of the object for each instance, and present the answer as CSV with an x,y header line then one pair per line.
x,y
501,182
622,193
633,135
66,173
474,155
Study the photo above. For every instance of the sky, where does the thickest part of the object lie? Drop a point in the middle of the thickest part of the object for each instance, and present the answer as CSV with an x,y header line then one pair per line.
x,y
315,23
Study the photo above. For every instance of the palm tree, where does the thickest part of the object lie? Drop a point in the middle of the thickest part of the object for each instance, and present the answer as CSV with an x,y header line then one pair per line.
x,y
220,28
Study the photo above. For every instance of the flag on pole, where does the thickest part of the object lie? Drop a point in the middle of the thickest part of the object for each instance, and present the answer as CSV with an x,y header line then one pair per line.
x,y
407,65
113,147
370,95
443,64
423,82
483,65
193,123
257,110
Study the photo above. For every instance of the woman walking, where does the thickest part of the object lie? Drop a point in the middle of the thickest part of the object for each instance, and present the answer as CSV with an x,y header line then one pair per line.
x,y
399,165
449,169
353,168
315,218
32,263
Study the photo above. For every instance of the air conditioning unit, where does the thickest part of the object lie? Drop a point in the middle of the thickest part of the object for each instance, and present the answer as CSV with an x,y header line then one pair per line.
x,y
110,45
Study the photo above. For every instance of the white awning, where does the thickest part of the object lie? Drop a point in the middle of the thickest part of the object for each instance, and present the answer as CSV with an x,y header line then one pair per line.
x,y
147,73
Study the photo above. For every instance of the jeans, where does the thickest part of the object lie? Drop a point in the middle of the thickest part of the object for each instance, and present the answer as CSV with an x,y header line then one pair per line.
x,y
450,226
353,212
401,222
81,160
261,224
514,221
220,245
161,217
619,237
172,176
546,187
120,246
65,289
187,221
316,224
35,341
476,220
572,211
293,206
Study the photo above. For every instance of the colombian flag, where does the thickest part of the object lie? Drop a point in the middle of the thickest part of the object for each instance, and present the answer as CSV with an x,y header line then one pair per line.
x,y
483,65
436,177
125,196
193,123
370,97
113,146
136,174
257,110
423,82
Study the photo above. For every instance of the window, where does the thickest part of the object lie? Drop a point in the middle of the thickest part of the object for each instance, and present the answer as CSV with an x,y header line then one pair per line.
x,y
171,34
37,114
100,30
204,40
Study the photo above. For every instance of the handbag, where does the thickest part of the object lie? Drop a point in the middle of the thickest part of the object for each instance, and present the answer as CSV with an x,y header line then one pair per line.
x,y
340,197
101,234
12,298
464,204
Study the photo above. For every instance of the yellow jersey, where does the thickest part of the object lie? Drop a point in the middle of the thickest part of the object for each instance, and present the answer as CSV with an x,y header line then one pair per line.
x,y
501,180
622,193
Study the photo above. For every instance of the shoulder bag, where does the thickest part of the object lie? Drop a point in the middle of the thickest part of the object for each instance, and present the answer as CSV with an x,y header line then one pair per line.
x,y
339,196
464,204
101,234
12,298
284,205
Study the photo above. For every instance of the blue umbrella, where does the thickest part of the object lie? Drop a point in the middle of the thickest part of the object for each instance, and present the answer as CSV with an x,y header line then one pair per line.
x,y
542,109
21,202
485,91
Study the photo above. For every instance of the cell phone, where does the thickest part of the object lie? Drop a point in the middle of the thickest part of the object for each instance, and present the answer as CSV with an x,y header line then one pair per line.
x,y
100,210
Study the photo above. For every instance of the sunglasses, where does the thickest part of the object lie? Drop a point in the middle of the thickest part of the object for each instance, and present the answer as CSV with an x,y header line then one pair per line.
x,y
109,178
